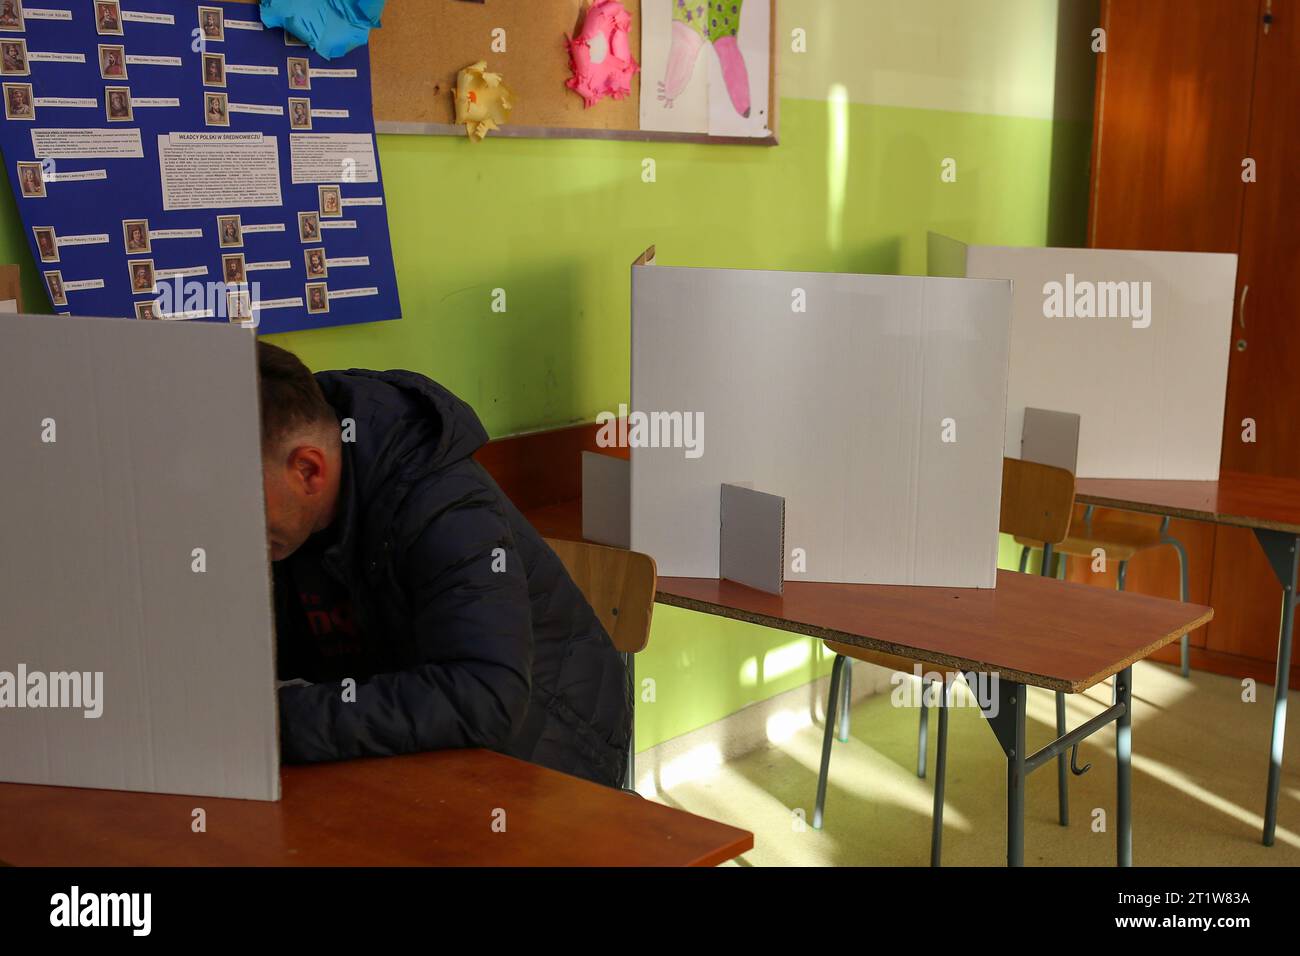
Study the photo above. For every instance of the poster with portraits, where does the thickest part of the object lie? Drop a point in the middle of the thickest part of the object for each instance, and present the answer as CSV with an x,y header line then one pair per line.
x,y
179,161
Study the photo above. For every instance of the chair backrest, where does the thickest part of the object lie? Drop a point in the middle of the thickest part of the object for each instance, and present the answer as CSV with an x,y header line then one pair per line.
x,y
1037,500
618,584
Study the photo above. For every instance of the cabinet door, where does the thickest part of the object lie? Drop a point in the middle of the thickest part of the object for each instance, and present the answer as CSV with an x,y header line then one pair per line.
x,y
1171,128
1264,368
1171,124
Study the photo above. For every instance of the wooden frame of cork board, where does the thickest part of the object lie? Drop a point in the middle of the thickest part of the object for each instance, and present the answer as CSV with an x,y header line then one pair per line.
x,y
422,45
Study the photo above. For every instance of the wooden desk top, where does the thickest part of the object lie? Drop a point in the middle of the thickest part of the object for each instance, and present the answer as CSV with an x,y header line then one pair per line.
x,y
1246,501
1032,630
428,809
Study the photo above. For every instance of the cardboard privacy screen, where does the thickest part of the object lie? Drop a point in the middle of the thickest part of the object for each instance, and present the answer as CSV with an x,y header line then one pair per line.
x,y
1135,343
874,405
134,577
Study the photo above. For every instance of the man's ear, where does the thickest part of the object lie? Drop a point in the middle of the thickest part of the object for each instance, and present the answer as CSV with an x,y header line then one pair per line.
x,y
309,466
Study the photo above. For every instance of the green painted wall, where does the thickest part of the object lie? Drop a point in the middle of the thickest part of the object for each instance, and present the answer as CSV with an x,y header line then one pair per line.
x,y
853,187
556,224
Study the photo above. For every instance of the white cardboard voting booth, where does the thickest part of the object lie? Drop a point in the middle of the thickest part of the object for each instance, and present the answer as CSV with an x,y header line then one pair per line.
x,y
1135,343
137,648
873,405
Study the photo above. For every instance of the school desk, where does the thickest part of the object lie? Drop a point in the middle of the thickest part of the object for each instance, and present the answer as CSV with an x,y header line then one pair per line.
x,y
1030,631
1268,506
444,808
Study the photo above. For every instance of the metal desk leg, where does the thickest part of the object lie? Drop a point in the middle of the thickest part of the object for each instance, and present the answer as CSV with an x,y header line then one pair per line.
x,y
832,700
1124,769
1283,554
847,702
1008,725
940,770
629,780
1016,778
1062,769
1062,775
922,729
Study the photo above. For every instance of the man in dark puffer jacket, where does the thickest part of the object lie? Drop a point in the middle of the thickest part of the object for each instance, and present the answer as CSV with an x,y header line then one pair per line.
x,y
401,565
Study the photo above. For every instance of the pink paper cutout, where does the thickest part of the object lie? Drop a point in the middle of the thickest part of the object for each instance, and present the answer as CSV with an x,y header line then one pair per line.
x,y
601,54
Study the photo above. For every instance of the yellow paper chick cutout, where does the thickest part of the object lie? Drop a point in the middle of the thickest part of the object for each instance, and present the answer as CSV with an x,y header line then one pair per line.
x,y
483,102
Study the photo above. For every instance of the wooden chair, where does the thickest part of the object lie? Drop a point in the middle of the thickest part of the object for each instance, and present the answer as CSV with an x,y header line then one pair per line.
x,y
1036,504
620,587
1120,542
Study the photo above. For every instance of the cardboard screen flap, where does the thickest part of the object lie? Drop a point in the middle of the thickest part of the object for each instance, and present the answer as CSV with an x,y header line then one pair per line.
x,y
606,505
874,405
1051,438
1135,342
134,573
751,538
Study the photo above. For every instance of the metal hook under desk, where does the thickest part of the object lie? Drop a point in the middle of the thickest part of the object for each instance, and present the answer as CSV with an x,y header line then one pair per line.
x,y
1074,763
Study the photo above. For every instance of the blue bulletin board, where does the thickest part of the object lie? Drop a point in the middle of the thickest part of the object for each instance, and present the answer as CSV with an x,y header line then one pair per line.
x,y
169,170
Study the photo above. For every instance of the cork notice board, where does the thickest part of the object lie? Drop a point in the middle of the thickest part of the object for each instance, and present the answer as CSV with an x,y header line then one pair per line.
x,y
422,45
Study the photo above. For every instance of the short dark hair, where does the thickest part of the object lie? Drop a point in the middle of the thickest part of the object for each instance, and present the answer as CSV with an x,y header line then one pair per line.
x,y
290,395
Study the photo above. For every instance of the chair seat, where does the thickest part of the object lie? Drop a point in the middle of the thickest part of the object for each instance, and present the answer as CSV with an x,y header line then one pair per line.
x,y
906,665
1120,542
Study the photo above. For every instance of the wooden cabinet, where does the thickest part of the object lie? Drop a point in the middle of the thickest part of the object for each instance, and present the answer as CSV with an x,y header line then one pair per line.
x,y
1171,124
1187,91
1265,359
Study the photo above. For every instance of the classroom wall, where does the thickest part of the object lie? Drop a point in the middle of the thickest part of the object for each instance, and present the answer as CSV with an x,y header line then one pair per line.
x,y
885,92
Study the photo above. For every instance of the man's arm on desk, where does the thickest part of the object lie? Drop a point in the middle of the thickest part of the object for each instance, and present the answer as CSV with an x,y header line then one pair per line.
x,y
473,632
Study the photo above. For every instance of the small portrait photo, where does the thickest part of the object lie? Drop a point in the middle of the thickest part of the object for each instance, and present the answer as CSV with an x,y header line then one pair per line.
x,y
299,73
13,58
309,226
216,110
239,306
18,102
291,40
232,269
117,104
58,295
135,233
112,61
214,69
11,15
230,232
317,268
47,243
211,23
142,279
146,310
299,113
318,298
108,17
31,181
331,202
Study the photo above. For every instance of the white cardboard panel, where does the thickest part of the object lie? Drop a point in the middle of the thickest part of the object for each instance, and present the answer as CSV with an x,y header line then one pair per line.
x,y
1051,438
838,410
752,538
606,508
157,453
1151,399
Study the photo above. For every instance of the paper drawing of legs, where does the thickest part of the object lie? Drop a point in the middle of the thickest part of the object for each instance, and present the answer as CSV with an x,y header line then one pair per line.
x,y
693,22
684,48
724,24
